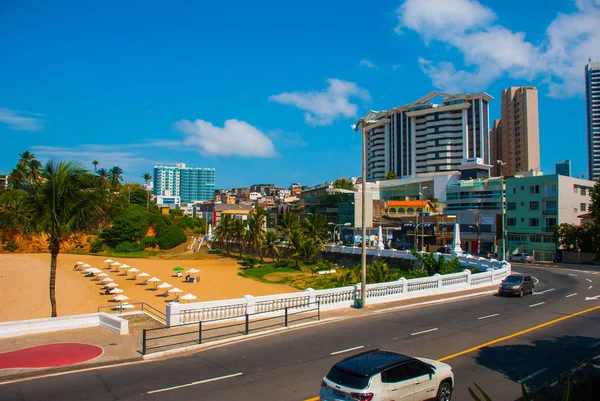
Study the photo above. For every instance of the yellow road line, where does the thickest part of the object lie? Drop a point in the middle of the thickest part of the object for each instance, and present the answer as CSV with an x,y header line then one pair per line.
x,y
529,330
560,319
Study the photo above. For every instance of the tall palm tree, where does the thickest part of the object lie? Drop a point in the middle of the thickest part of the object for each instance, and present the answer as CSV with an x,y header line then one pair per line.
x,y
308,250
62,203
147,177
115,175
295,238
238,233
257,225
287,223
316,229
378,272
17,177
26,157
224,230
34,168
269,244
95,163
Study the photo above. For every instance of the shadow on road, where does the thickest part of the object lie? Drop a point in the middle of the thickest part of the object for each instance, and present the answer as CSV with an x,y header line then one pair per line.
x,y
548,358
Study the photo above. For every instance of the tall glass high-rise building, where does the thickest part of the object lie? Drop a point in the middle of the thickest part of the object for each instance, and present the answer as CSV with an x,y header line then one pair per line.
x,y
189,183
592,92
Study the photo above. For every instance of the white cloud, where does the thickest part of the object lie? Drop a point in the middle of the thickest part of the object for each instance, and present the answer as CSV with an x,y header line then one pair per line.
x,y
235,138
491,51
326,106
21,121
366,63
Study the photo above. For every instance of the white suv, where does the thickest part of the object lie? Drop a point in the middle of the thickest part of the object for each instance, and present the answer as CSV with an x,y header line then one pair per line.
x,y
378,375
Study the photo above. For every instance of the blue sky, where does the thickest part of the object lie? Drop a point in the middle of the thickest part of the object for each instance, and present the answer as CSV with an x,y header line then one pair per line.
x,y
266,91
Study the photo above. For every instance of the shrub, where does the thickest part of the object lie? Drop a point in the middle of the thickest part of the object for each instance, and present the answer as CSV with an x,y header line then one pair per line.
x,y
11,246
249,261
170,236
127,246
96,246
149,242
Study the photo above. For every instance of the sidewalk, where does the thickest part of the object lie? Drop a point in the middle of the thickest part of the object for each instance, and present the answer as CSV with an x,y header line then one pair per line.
x,y
122,349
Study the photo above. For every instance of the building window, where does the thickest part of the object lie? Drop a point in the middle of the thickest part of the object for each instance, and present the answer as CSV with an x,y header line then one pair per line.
x,y
522,204
511,206
534,222
574,188
522,188
535,205
511,191
583,207
535,238
575,210
534,189
583,191
522,219
511,221
548,239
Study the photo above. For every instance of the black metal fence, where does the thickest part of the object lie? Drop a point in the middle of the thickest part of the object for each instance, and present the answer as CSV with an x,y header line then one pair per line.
x,y
211,330
137,307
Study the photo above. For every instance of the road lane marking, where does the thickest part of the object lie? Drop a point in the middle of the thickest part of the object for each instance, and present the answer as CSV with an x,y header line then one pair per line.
x,y
488,316
571,274
423,332
538,304
588,280
529,330
595,344
214,379
543,292
347,350
534,374
571,295
536,280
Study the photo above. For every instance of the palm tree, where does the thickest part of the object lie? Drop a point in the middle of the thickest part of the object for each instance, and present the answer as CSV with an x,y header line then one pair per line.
x,y
224,230
257,229
346,278
17,177
316,229
270,243
287,223
378,272
238,233
34,171
295,239
308,250
115,176
62,203
147,177
95,163
26,157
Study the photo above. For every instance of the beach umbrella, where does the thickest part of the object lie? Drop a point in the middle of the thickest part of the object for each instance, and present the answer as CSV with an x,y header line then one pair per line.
x,y
121,298
116,265
178,269
112,285
164,285
116,291
154,280
188,297
89,269
175,290
144,274
126,305
86,265
107,280
192,271
109,261
103,275
95,270
124,266
132,270
79,263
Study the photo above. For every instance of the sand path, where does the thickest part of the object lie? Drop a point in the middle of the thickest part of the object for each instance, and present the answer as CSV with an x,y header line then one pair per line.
x,y
24,284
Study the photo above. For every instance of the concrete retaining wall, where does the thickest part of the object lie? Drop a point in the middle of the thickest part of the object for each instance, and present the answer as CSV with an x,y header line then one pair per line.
x,y
36,326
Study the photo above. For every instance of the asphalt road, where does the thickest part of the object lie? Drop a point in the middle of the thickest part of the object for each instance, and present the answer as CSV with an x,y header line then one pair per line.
x,y
289,366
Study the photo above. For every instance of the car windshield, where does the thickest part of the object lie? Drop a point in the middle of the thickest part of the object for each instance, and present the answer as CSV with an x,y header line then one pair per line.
x,y
513,279
347,379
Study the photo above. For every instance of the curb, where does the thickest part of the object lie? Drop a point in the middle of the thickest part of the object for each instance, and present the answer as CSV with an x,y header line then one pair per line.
x,y
41,372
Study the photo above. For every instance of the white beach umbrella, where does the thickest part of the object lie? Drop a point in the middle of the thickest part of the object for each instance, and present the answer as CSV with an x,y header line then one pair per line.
x,y
144,274
124,266
112,285
80,263
103,275
154,280
188,297
165,285
175,290
121,298
95,270
132,270
86,265
107,280
109,261
126,305
116,291
116,264
89,269
192,271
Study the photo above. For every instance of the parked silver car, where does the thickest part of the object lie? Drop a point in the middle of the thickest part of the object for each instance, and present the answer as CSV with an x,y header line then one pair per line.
x,y
521,258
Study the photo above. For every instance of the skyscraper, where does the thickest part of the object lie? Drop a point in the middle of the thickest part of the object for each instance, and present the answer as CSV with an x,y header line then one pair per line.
x,y
563,168
592,94
516,137
427,137
189,183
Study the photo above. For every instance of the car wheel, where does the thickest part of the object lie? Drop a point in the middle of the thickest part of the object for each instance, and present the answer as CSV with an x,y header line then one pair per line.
x,y
444,392
521,293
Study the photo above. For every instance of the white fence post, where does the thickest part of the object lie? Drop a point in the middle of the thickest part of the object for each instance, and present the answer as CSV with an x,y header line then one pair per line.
x,y
173,314
250,304
439,280
468,273
404,285
312,295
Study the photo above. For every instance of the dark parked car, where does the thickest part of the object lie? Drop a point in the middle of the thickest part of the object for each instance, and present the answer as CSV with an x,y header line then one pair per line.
x,y
516,284
445,250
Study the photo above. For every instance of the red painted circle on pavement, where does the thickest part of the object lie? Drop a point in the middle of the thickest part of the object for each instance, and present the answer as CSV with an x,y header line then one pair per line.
x,y
49,355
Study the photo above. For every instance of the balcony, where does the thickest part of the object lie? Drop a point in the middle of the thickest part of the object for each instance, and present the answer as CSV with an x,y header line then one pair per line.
x,y
550,211
548,229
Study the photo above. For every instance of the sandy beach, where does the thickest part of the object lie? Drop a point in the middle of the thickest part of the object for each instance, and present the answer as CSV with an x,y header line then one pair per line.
x,y
24,284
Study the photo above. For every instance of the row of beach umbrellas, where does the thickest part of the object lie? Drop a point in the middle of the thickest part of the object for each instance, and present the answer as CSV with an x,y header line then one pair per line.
x,y
112,287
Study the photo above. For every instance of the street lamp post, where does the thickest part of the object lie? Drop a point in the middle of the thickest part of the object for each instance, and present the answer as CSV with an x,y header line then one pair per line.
x,y
365,125
337,226
423,219
500,164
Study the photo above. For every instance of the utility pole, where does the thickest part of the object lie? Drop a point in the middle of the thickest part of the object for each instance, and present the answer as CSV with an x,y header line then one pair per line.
x,y
501,163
